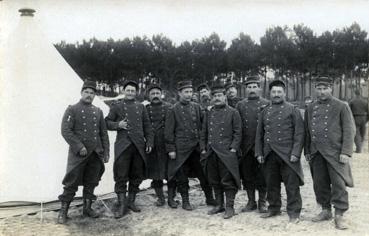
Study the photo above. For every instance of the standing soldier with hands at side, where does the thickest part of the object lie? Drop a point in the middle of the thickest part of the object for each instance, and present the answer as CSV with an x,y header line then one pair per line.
x,y
220,139
182,137
278,145
157,162
84,129
330,131
251,172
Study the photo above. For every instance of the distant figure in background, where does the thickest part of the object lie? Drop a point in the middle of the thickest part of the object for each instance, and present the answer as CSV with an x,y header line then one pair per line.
x,y
329,141
205,99
134,141
231,92
251,171
359,108
84,129
195,98
308,100
157,161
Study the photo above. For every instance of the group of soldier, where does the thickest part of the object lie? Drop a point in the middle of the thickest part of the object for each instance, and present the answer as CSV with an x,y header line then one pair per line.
x,y
222,141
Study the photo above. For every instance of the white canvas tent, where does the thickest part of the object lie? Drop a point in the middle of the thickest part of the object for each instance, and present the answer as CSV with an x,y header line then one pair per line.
x,y
36,86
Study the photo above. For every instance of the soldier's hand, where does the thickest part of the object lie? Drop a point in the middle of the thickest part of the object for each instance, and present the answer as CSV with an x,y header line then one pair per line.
x,y
148,149
261,159
172,155
344,158
294,158
83,152
203,152
233,150
308,157
106,159
123,124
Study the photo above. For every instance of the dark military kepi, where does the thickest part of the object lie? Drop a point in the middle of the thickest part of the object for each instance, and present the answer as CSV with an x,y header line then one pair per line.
x,y
84,129
221,137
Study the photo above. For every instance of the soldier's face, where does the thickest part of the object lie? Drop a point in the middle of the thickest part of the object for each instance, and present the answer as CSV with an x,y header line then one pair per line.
x,y
323,92
232,92
204,93
155,95
130,92
219,99
87,95
252,90
186,94
277,94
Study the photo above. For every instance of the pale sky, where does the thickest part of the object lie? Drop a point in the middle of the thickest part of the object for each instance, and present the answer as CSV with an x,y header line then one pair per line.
x,y
180,20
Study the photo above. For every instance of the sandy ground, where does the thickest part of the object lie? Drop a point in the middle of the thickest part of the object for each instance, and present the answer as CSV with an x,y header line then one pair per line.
x,y
165,221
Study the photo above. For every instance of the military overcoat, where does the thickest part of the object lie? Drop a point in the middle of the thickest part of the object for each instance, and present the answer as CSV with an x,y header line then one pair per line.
x,y
330,130
83,125
249,110
281,129
157,160
139,131
221,132
182,133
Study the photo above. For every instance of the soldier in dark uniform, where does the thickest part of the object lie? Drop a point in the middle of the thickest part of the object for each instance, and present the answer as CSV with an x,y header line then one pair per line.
x,y
205,100
250,170
134,140
182,137
278,145
220,139
157,161
231,91
84,129
330,131
359,108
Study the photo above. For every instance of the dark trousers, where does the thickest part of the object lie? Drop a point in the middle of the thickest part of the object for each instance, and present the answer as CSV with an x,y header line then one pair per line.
x,y
129,167
277,171
329,186
88,173
159,183
191,165
360,123
252,173
218,175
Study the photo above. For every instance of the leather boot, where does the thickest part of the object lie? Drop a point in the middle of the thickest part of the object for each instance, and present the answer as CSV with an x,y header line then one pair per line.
x,y
171,194
63,213
208,191
87,210
219,198
251,204
186,201
123,206
325,214
229,210
262,206
339,220
131,202
160,194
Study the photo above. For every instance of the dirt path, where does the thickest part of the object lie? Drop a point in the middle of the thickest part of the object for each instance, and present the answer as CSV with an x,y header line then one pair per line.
x,y
165,221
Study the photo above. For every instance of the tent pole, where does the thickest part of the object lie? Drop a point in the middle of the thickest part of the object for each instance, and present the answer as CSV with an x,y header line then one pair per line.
x,y
109,210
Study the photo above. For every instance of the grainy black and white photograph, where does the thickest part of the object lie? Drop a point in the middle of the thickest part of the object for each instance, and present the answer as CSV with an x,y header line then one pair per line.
x,y
174,117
